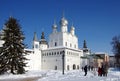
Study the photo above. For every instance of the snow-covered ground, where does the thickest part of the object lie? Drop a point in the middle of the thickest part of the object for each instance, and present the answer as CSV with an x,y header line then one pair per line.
x,y
52,75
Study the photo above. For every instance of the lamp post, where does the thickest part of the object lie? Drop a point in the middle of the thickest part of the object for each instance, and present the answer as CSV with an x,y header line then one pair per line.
x,y
63,55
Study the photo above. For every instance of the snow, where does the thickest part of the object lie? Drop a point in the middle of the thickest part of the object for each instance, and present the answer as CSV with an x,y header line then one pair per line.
x,y
54,75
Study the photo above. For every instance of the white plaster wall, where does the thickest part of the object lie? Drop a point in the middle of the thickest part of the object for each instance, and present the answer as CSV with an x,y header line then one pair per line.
x,y
70,39
55,37
43,46
72,57
34,60
50,61
61,38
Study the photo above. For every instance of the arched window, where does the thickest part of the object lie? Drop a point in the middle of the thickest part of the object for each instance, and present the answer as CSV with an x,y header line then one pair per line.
x,y
55,43
74,66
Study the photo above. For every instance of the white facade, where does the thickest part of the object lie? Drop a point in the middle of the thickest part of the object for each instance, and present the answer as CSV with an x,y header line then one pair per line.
x,y
59,42
48,56
53,58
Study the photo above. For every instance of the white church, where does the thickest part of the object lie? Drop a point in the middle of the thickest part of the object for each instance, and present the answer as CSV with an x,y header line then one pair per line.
x,y
62,45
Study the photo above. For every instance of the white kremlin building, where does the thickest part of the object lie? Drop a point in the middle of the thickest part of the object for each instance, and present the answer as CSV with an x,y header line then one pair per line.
x,y
62,45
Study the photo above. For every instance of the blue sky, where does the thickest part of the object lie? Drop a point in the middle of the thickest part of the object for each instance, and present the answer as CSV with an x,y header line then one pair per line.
x,y
96,21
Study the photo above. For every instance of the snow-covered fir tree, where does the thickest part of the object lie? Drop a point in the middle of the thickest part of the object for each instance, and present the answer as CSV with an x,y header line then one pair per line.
x,y
12,54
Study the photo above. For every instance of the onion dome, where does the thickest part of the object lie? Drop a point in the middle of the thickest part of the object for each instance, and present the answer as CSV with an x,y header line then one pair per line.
x,y
63,22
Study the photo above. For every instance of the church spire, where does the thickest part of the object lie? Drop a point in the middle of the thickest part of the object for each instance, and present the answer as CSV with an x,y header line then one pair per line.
x,y
35,37
84,44
72,31
42,36
42,40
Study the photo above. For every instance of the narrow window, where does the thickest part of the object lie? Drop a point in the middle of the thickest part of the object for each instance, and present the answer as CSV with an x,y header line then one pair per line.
x,y
55,43
55,67
65,43
68,68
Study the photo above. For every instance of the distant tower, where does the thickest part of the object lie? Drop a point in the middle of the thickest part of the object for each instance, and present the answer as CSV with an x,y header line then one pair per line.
x,y
43,42
85,49
63,24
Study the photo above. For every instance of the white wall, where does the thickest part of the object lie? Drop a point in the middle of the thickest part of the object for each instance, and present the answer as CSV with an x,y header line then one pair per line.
x,y
34,60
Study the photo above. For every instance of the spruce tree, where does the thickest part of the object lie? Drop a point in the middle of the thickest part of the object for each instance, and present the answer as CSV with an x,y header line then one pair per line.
x,y
116,49
12,54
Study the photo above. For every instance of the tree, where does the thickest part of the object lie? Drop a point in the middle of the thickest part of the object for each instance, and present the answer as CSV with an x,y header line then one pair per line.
x,y
116,48
12,54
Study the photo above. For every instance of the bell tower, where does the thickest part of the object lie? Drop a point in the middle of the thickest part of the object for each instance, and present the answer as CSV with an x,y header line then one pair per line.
x,y
43,43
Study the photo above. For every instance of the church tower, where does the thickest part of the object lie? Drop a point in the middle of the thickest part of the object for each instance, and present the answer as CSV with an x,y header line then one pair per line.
x,y
36,56
85,49
35,42
43,42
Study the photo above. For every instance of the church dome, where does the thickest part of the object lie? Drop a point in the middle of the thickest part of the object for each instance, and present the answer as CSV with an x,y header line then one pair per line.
x,y
63,21
72,28
54,26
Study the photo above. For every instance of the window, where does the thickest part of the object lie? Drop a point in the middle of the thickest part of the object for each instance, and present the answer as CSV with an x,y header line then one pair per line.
x,y
55,67
74,66
65,43
36,45
68,68
49,53
57,53
55,43
54,53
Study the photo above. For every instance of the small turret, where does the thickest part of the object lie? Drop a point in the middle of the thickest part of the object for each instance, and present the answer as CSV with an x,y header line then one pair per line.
x,y
72,31
54,27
